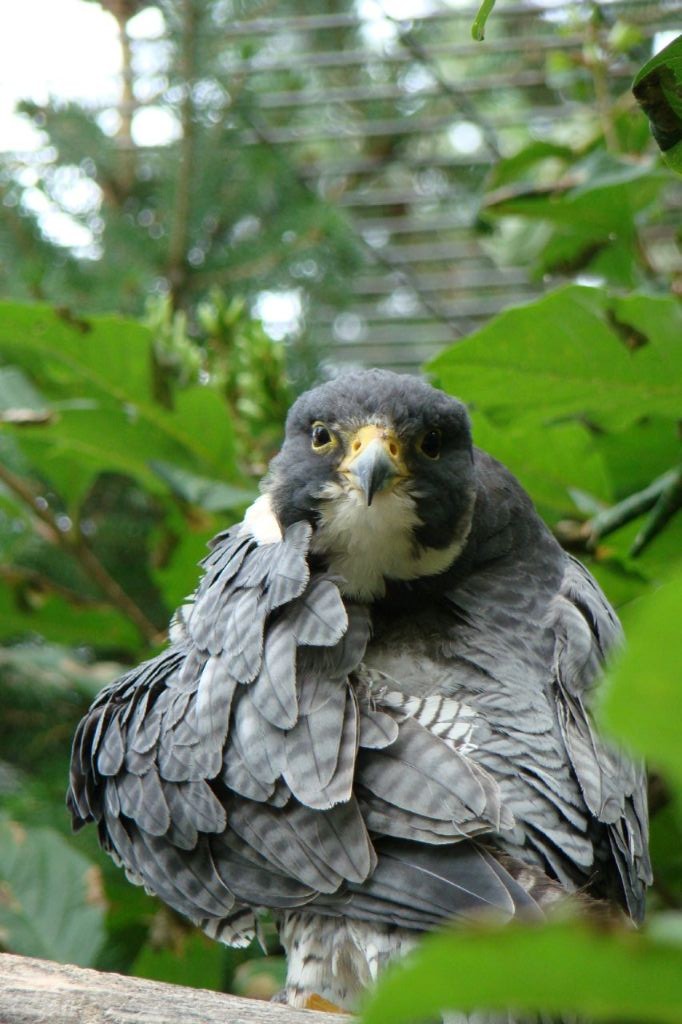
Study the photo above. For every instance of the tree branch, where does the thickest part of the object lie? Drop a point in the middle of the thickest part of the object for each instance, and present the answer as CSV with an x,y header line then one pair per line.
x,y
35,991
74,543
122,11
177,249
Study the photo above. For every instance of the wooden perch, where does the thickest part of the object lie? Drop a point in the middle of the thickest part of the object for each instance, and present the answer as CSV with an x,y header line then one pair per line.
x,y
36,991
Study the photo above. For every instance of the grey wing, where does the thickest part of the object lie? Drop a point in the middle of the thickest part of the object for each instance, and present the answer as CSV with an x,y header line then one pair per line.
x,y
249,766
613,786
520,647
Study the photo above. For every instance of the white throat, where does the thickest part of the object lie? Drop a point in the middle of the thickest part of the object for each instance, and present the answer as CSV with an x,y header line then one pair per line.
x,y
365,546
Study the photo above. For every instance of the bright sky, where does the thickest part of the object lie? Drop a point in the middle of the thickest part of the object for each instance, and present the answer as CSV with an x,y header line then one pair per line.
x,y
69,49
64,48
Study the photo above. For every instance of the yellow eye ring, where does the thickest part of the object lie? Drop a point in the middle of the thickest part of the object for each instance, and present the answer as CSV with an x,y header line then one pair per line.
x,y
322,439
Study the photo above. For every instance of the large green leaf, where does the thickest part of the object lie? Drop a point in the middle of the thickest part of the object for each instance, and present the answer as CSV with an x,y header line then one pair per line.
x,y
560,967
655,443
106,356
658,90
212,495
50,902
644,702
576,352
592,224
177,579
611,192
97,376
549,462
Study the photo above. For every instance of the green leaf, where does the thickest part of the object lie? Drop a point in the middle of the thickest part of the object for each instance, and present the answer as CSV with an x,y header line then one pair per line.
x,y
666,850
575,352
55,619
177,578
213,495
644,702
657,444
610,194
658,90
593,223
50,902
549,461
107,356
97,376
192,960
513,169
20,401
44,672
560,967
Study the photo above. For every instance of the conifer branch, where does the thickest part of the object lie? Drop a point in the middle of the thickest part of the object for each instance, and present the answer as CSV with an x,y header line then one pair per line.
x,y
73,542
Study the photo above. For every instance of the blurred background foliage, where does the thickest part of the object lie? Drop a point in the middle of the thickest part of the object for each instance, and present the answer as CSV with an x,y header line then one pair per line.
x,y
141,396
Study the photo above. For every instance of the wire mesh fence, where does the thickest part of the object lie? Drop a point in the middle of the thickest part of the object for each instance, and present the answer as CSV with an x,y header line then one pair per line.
x,y
398,122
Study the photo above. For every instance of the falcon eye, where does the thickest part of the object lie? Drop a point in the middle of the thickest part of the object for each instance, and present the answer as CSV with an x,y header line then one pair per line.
x,y
430,444
321,437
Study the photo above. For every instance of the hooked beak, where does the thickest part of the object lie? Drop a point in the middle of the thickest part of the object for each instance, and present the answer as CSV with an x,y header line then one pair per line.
x,y
373,461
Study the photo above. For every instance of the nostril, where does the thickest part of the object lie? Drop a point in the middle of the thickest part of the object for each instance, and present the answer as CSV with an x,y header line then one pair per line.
x,y
393,448
357,445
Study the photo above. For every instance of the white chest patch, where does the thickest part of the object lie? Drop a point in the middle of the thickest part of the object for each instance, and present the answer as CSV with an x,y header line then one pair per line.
x,y
367,545
261,522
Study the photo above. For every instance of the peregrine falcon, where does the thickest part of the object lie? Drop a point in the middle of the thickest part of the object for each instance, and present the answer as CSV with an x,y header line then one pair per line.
x,y
373,714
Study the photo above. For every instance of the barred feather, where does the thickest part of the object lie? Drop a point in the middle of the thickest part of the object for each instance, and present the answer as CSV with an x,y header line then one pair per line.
x,y
386,765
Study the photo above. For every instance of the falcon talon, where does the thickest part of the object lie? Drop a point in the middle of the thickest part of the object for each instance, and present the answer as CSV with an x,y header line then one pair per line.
x,y
315,1002
372,717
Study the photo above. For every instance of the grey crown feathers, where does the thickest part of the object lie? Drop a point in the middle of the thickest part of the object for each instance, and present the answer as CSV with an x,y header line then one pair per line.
x,y
372,717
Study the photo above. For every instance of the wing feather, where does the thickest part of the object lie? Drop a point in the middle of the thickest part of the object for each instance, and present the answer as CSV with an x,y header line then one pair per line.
x,y
256,763
274,691
312,747
613,787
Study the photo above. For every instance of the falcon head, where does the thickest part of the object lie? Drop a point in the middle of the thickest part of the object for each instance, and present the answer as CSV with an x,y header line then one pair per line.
x,y
381,465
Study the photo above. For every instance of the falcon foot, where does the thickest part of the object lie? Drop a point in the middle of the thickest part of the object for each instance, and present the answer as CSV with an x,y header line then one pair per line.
x,y
315,1002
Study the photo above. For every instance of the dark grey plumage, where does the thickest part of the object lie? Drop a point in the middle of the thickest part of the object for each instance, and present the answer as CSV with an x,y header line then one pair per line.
x,y
374,710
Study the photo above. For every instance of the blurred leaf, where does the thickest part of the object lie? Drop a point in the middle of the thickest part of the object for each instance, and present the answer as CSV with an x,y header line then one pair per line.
x,y
666,852
192,960
644,701
178,577
563,966
513,169
50,897
659,559
54,669
621,581
20,401
50,615
624,36
592,212
548,461
97,375
658,90
568,354
213,495
609,194
657,444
